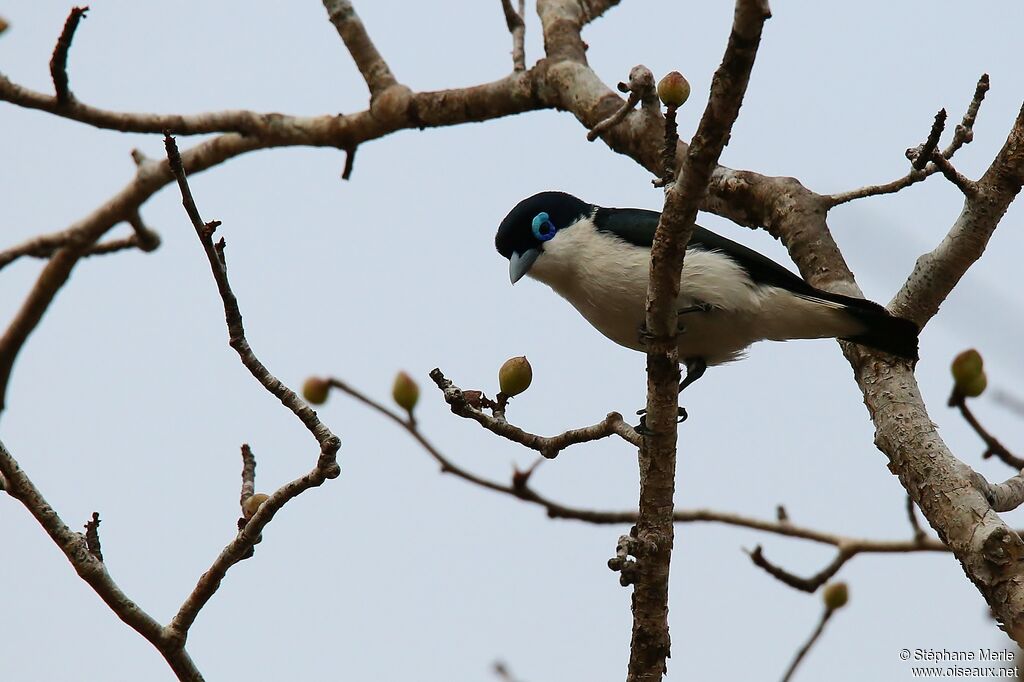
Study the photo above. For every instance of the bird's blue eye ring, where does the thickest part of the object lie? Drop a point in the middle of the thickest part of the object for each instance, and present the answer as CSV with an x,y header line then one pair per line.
x,y
543,228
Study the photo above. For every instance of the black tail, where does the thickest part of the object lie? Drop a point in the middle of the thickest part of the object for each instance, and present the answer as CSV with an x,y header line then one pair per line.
x,y
889,333
884,330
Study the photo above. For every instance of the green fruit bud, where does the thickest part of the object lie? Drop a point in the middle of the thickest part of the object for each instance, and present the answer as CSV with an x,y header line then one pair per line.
x,y
315,390
835,596
673,89
515,376
974,387
405,391
252,505
966,366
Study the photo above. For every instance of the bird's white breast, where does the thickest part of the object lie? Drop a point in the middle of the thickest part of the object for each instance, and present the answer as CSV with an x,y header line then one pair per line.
x,y
605,279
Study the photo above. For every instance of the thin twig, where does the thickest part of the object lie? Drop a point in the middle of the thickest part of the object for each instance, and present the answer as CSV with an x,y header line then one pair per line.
x,y
938,271
992,445
350,162
329,443
825,615
92,570
92,536
521,490
920,157
44,246
326,467
962,182
248,489
962,134
369,61
146,239
516,22
845,553
509,95
1003,497
668,154
248,474
548,446
59,60
640,88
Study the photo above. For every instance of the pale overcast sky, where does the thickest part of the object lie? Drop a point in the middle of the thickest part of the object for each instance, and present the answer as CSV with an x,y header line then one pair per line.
x,y
128,401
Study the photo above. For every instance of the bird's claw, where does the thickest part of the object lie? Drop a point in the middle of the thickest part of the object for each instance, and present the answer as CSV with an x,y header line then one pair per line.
x,y
645,335
644,430
699,307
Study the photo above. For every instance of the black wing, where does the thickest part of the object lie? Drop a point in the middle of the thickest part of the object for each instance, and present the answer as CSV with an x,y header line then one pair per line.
x,y
637,226
882,330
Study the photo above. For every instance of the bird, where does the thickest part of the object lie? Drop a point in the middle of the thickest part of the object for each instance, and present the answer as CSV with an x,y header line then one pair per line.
x,y
730,296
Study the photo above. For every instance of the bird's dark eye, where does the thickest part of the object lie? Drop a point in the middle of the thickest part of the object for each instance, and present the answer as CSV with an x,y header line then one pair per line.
x,y
543,228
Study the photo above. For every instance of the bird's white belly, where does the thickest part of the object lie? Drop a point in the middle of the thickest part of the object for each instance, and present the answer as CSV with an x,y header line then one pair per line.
x,y
717,336
605,279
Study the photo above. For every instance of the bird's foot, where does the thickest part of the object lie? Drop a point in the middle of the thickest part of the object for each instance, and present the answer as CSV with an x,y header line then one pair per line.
x,y
644,334
695,368
644,430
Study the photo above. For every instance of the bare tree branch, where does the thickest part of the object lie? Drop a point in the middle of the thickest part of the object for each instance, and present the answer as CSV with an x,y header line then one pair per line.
x,y
640,88
91,569
517,27
59,60
510,95
811,584
371,64
922,156
81,235
962,182
92,536
548,446
937,272
248,474
520,488
1005,496
46,245
826,614
990,552
329,443
963,134
326,466
246,131
650,645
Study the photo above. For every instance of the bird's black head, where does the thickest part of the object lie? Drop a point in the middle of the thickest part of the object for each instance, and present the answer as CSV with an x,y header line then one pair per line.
x,y
532,222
